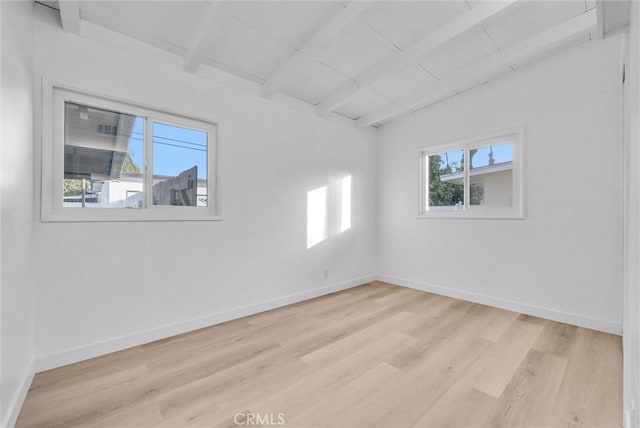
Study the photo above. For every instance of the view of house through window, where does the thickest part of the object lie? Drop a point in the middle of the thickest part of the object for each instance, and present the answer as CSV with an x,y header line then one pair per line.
x,y
103,158
104,161
474,176
491,176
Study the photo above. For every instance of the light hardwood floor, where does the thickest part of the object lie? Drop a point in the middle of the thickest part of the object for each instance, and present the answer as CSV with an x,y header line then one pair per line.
x,y
374,355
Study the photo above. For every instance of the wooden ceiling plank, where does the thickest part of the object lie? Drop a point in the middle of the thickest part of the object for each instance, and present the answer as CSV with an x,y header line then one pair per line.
x,y
311,50
599,33
477,16
70,15
195,54
482,70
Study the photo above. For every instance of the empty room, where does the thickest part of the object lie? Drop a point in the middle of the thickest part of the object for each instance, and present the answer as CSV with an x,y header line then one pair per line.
x,y
319,213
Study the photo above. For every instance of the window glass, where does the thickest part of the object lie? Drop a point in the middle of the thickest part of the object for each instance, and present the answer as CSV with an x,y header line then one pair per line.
x,y
481,178
445,181
491,176
103,158
179,166
127,162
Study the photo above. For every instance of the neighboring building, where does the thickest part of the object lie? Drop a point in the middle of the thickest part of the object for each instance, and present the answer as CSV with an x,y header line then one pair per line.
x,y
124,193
494,182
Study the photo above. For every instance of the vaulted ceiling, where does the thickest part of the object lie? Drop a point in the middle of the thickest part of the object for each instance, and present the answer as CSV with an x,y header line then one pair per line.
x,y
368,61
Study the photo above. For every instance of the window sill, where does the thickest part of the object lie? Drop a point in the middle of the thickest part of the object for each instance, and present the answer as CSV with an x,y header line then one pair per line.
x,y
469,215
80,215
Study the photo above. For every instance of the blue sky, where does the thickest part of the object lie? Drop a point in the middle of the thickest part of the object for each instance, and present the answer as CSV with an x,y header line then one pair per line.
x,y
501,153
175,149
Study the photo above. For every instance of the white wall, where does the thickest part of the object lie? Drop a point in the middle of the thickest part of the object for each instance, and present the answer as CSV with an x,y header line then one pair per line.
x,y
564,260
631,309
16,193
103,286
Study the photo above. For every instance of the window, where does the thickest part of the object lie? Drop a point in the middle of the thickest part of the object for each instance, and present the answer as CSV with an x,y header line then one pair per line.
x,y
112,161
478,178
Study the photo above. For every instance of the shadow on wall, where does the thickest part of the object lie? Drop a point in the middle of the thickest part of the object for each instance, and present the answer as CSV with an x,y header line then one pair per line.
x,y
328,211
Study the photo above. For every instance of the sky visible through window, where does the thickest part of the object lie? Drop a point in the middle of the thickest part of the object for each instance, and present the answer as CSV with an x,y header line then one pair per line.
x,y
501,153
175,149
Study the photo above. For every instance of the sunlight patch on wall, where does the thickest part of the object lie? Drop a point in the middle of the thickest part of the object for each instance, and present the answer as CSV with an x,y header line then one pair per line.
x,y
316,216
345,204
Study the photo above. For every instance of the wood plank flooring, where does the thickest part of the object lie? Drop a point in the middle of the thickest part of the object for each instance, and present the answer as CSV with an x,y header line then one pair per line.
x,y
375,355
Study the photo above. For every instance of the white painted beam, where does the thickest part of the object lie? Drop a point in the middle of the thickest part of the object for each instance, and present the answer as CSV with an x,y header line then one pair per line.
x,y
482,70
70,15
480,14
599,33
315,47
194,55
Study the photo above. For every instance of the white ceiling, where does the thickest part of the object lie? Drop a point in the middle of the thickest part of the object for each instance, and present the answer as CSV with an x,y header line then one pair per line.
x,y
321,55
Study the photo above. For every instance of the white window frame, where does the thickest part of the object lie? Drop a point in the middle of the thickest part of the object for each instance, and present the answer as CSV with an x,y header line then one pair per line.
x,y
516,211
52,209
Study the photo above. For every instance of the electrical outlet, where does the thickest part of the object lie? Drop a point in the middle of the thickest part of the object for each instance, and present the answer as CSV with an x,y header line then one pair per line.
x,y
325,274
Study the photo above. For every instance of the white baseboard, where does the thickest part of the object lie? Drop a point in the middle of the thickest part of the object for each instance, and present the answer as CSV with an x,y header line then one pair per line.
x,y
18,399
538,311
85,352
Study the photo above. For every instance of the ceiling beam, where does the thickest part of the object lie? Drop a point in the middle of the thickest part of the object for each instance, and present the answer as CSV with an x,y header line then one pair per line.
x,y
477,16
70,15
315,47
599,33
480,71
194,55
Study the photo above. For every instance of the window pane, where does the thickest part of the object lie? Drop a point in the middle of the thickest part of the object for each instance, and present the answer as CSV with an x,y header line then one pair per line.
x,y
445,181
103,158
491,176
179,166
